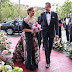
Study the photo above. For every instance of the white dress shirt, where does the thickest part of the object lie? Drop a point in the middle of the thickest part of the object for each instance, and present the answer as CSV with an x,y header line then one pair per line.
x,y
67,21
48,16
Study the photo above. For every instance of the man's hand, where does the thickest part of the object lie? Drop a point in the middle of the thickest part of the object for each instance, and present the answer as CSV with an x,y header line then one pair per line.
x,y
64,29
16,23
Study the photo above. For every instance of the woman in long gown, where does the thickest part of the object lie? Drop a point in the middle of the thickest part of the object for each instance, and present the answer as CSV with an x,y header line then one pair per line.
x,y
28,42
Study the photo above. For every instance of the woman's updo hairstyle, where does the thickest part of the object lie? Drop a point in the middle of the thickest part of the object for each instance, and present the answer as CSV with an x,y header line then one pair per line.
x,y
29,9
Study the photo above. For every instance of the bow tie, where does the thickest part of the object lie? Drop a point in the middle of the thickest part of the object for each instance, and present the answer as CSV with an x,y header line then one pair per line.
x,y
47,12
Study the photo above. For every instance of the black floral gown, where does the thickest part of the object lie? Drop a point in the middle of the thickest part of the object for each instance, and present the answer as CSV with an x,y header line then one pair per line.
x,y
27,48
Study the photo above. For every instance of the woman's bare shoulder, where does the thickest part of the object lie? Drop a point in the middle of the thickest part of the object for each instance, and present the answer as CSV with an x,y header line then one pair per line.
x,y
26,19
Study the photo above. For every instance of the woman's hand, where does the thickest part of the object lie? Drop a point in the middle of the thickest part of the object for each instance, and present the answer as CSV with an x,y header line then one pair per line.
x,y
33,32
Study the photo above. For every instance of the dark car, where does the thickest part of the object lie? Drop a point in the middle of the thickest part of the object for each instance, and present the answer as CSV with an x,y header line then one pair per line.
x,y
10,28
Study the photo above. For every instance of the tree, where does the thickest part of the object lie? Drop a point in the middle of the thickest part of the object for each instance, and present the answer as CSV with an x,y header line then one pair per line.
x,y
6,10
65,8
9,11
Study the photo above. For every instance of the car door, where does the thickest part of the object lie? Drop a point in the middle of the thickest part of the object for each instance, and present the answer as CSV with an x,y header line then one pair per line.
x,y
20,25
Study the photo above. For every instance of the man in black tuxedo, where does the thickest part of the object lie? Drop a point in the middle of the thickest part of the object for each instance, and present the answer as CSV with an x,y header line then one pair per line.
x,y
16,25
66,24
49,22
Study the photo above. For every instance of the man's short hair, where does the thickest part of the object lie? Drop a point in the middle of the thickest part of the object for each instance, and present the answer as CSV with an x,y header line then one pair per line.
x,y
67,13
48,3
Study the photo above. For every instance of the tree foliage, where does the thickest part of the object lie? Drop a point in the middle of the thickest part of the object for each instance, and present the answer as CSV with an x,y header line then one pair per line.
x,y
8,11
65,8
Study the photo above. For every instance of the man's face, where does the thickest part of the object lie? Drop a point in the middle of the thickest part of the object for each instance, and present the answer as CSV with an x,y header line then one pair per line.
x,y
71,15
47,7
67,15
16,18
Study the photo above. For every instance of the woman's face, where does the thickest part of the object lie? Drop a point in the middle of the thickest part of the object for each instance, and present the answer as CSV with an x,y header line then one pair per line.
x,y
31,12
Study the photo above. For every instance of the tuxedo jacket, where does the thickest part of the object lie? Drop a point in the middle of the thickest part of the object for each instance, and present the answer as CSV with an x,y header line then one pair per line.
x,y
67,27
49,30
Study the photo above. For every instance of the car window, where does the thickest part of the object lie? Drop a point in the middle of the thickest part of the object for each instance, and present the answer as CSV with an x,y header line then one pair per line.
x,y
11,22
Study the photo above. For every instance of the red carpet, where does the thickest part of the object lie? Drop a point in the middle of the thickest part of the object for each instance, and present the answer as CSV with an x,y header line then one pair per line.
x,y
59,63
